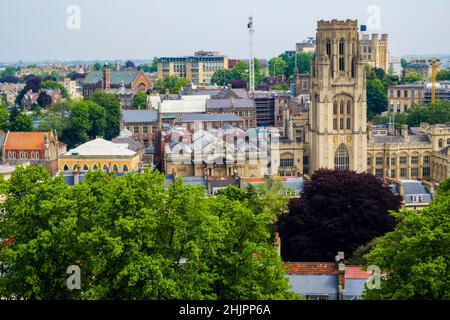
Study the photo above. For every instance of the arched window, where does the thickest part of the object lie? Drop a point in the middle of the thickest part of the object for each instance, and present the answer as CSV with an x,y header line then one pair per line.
x,y
95,167
66,168
86,168
115,169
125,168
342,55
105,168
342,107
342,158
335,107
349,107
328,47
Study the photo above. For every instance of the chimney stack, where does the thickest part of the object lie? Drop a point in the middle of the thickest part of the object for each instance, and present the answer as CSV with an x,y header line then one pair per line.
x,y
341,274
404,131
106,77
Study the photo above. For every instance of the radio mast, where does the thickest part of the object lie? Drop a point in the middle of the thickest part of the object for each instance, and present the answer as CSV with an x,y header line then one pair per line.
x,y
251,64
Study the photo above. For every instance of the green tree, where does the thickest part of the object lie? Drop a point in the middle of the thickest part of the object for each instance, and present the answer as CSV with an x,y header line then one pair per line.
x,y
78,125
20,121
223,77
97,66
376,97
435,113
111,103
133,238
140,100
55,117
304,60
97,120
283,87
172,84
277,66
241,72
443,75
415,256
55,85
413,77
3,117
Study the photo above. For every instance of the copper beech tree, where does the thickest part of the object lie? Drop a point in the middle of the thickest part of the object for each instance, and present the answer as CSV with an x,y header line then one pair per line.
x,y
337,211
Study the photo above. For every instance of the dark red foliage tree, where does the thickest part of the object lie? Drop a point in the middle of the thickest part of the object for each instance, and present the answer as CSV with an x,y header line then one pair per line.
x,y
338,211
130,64
44,99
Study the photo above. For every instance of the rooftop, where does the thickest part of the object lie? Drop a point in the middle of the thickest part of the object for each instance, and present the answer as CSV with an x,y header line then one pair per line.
x,y
139,116
26,140
100,147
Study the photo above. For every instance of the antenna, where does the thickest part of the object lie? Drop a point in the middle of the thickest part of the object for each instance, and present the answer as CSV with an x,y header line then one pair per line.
x,y
251,64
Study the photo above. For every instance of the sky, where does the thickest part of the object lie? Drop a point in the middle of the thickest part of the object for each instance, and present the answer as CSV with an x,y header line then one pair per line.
x,y
33,30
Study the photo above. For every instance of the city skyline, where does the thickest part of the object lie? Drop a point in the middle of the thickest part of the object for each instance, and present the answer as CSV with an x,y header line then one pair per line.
x,y
140,30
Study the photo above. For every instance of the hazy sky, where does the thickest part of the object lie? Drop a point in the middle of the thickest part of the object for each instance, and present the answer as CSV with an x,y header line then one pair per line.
x,y
141,29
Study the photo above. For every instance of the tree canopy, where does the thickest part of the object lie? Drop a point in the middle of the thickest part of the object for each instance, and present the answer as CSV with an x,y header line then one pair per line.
x,y
338,211
111,103
140,100
415,257
55,85
133,238
19,121
172,84
412,77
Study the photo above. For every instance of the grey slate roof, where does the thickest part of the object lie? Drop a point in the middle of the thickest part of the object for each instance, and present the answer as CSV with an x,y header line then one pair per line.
x,y
311,285
227,103
139,116
399,139
415,188
116,77
191,117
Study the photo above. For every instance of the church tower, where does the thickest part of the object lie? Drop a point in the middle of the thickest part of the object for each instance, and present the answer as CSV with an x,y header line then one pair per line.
x,y
338,99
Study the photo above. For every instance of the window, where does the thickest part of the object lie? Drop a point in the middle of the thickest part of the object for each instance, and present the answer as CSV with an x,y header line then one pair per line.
x,y
335,124
379,173
86,168
341,55
402,172
341,122
403,160
66,168
415,160
348,124
328,47
341,64
414,172
369,161
342,107
115,168
335,108
379,161
125,168
305,160
349,107
136,129
287,163
105,168
393,161
426,172
426,159
145,129
393,173
342,158
441,143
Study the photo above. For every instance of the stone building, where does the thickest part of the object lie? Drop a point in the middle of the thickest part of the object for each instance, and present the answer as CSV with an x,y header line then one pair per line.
x,y
107,79
375,51
338,99
143,124
244,108
34,148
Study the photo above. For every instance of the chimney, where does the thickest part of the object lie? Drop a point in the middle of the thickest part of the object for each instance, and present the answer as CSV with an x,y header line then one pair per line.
x,y
404,131
106,77
341,274
277,243
232,102
391,129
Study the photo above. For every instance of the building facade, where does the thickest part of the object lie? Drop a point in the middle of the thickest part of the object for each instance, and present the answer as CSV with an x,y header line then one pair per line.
x,y
375,51
199,68
402,97
338,99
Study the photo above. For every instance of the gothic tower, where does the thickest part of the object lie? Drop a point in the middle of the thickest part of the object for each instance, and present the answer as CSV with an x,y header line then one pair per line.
x,y
338,99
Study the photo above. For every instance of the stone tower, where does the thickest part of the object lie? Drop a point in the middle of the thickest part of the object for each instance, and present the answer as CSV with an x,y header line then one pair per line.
x,y
338,99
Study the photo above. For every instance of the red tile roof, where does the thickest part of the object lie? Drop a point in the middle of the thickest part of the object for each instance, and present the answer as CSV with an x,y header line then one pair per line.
x,y
25,141
356,273
311,268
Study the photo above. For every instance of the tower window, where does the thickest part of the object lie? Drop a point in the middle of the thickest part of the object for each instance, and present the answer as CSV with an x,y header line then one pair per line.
x,y
328,48
341,64
342,47
342,158
335,108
